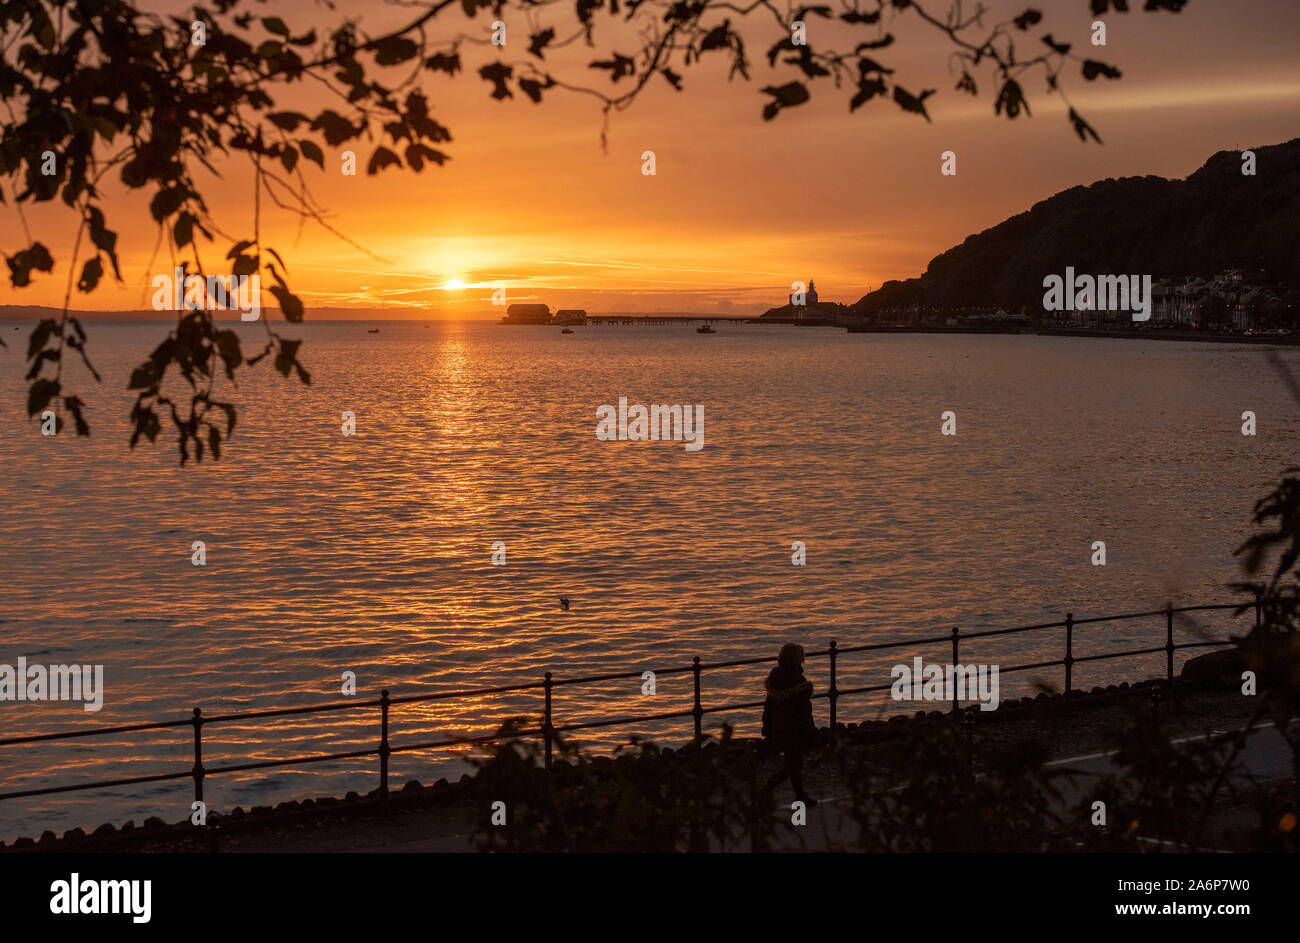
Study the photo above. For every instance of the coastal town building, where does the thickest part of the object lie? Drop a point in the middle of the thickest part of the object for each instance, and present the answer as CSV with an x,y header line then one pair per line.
x,y
812,310
527,314
809,296
1231,300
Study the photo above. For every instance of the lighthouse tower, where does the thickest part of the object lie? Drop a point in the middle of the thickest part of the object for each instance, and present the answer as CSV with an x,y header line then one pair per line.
x,y
809,297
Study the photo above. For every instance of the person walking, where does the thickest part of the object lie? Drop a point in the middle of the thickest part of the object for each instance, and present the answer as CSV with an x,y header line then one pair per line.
x,y
788,719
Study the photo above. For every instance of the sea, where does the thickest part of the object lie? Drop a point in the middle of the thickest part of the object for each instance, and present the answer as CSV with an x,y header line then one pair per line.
x,y
430,551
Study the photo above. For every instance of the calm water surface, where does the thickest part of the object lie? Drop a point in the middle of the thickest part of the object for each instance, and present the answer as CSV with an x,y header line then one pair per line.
x,y
372,553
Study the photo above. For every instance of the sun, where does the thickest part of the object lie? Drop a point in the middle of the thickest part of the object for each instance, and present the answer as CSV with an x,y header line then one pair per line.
x,y
454,284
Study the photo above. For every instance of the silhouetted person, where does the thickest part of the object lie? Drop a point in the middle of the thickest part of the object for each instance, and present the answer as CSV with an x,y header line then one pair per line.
x,y
788,719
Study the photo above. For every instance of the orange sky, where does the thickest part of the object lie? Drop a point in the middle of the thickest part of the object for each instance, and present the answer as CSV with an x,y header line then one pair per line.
x,y
739,207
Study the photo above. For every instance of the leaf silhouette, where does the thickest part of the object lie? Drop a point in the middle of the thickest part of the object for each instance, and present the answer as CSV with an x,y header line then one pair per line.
x,y
914,103
497,73
1092,68
1027,19
448,62
785,96
867,89
540,41
618,67
1082,128
1011,99
1062,48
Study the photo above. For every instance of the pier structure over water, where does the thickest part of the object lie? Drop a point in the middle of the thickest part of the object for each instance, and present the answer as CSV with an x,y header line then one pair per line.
x,y
624,319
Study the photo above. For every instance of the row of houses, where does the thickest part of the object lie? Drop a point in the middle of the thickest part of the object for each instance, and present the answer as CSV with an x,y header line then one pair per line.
x,y
1233,299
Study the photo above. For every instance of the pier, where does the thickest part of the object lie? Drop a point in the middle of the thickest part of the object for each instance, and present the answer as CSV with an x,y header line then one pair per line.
x,y
624,319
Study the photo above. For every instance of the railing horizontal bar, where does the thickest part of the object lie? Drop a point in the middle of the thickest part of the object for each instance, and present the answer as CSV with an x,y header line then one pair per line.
x,y
731,707
97,731
98,784
621,675
1203,644
876,646
1037,664
623,720
1133,651
739,662
412,698
1021,628
1127,615
268,764
842,692
209,719
458,741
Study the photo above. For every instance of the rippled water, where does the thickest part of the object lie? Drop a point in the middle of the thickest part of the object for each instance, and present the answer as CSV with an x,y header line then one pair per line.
x,y
371,553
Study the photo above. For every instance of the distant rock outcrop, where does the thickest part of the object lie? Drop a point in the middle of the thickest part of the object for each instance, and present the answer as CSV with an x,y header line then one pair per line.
x,y
1216,219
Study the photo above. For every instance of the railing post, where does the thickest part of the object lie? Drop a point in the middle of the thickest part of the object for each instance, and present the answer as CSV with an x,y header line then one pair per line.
x,y
833,692
1169,644
698,709
1069,652
547,734
383,748
198,755
955,637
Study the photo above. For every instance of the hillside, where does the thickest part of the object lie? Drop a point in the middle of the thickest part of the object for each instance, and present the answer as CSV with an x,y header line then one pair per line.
x,y
1215,219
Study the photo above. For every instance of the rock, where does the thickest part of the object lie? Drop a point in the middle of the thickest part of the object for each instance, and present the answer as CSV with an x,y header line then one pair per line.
x,y
1216,670
48,836
153,823
105,829
24,843
74,834
352,797
413,786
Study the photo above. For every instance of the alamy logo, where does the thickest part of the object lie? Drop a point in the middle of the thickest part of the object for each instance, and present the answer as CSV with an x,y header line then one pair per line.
x,y
76,896
1099,293
933,682
213,293
56,683
638,423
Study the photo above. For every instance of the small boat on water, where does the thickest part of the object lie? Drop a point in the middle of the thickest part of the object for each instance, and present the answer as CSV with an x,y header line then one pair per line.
x,y
373,330
705,329
567,330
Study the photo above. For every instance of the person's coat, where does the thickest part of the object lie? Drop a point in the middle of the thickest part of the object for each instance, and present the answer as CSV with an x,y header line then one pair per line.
x,y
787,712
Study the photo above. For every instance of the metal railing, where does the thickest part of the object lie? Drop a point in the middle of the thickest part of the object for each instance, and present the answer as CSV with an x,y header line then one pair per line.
x,y
547,731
